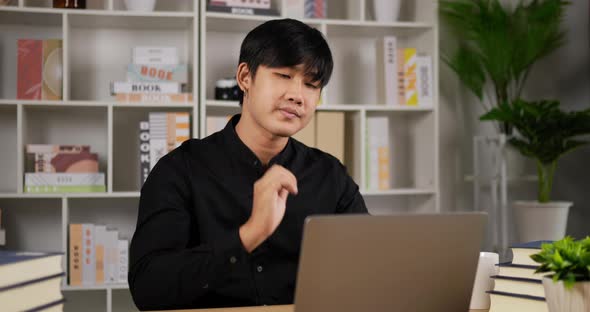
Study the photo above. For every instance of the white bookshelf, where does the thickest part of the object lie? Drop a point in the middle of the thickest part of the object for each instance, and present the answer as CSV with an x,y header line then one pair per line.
x,y
97,46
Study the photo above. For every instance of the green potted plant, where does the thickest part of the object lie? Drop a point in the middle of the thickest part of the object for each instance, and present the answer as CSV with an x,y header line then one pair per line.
x,y
497,46
544,133
568,288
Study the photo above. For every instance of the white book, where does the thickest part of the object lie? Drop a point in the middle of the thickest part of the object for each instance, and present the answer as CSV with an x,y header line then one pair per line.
x,y
112,255
144,151
388,76
123,260
64,179
165,87
424,80
88,255
378,160
158,137
154,51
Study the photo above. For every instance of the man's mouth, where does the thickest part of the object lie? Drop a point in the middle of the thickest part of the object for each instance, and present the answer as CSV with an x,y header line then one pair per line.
x,y
290,113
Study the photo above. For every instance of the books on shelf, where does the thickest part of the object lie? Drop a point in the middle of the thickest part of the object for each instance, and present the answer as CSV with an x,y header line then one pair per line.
x,y
407,76
30,281
155,55
144,151
519,271
424,80
64,182
138,87
167,131
258,4
388,78
39,69
154,73
378,153
242,10
154,98
517,285
96,255
316,9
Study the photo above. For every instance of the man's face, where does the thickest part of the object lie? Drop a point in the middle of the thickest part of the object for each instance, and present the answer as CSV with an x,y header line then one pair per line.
x,y
281,100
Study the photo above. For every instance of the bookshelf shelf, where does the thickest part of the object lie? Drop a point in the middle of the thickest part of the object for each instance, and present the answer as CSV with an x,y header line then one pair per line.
x,y
97,45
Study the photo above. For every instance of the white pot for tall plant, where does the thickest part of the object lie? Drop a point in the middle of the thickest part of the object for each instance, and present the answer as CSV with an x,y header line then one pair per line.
x,y
386,10
561,299
540,221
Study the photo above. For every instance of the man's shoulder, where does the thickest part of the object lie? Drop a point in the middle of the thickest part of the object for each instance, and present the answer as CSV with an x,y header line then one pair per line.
x,y
315,155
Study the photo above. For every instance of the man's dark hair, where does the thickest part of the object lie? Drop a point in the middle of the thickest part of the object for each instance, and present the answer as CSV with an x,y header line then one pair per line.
x,y
287,43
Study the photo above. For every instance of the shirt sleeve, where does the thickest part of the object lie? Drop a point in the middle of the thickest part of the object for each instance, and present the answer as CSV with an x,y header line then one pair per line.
x,y
350,199
165,272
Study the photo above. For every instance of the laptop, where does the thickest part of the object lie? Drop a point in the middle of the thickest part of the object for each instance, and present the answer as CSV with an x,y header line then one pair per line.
x,y
410,263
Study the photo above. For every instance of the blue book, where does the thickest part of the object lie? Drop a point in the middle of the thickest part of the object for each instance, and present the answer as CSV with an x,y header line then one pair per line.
x,y
18,267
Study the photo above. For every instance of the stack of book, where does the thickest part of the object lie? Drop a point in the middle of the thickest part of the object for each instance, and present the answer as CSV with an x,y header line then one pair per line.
x,y
244,7
96,255
156,76
159,135
62,169
406,77
517,287
30,281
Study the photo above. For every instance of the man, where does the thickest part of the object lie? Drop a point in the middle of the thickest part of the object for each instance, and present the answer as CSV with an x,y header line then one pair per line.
x,y
221,219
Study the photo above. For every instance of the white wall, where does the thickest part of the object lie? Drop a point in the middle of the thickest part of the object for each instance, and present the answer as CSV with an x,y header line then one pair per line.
x,y
564,75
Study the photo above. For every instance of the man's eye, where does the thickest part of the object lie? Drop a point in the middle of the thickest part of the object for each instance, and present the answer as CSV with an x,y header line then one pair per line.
x,y
284,76
311,85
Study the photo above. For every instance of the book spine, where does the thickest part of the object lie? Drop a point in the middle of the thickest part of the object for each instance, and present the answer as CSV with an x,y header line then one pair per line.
x,y
29,69
157,73
123,248
378,153
88,255
293,8
154,97
165,87
260,4
410,76
45,189
242,11
48,148
390,69
52,70
64,179
112,255
401,89
154,51
158,135
75,255
144,151
316,9
100,234
424,80
83,162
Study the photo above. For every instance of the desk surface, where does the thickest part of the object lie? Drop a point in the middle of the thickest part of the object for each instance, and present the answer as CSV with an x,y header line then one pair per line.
x,y
277,308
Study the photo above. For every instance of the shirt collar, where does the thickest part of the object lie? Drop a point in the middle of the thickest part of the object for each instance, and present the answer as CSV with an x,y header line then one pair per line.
x,y
241,152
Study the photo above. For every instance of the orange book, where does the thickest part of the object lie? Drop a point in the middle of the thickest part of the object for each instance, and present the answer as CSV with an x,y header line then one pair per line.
x,y
154,97
75,255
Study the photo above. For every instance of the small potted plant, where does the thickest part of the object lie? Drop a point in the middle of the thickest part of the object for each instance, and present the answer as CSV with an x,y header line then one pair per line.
x,y
545,133
568,288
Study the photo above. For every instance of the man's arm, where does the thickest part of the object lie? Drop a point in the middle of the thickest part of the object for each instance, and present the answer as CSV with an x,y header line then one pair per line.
x,y
164,272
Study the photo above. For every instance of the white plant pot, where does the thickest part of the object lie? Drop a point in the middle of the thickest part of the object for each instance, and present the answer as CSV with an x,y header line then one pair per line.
x,y
560,299
386,10
140,5
540,221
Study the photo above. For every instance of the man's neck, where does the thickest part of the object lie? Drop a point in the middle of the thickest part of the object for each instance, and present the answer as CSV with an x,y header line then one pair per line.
x,y
263,144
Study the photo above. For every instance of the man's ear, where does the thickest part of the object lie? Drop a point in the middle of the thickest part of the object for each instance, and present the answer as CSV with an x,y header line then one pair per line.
x,y
243,77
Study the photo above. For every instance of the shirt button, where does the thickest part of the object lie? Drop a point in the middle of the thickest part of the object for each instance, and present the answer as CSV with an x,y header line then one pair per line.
x,y
233,260
259,269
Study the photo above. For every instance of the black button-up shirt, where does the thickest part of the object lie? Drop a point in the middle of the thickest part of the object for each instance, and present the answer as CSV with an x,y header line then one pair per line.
x,y
186,251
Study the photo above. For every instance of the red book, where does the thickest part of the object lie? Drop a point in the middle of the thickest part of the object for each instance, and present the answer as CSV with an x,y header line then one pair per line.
x,y
30,65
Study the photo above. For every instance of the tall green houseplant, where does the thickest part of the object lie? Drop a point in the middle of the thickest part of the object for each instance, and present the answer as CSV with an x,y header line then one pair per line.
x,y
497,45
545,133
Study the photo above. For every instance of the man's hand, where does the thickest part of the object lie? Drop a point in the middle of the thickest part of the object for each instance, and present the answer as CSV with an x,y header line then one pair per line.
x,y
268,206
